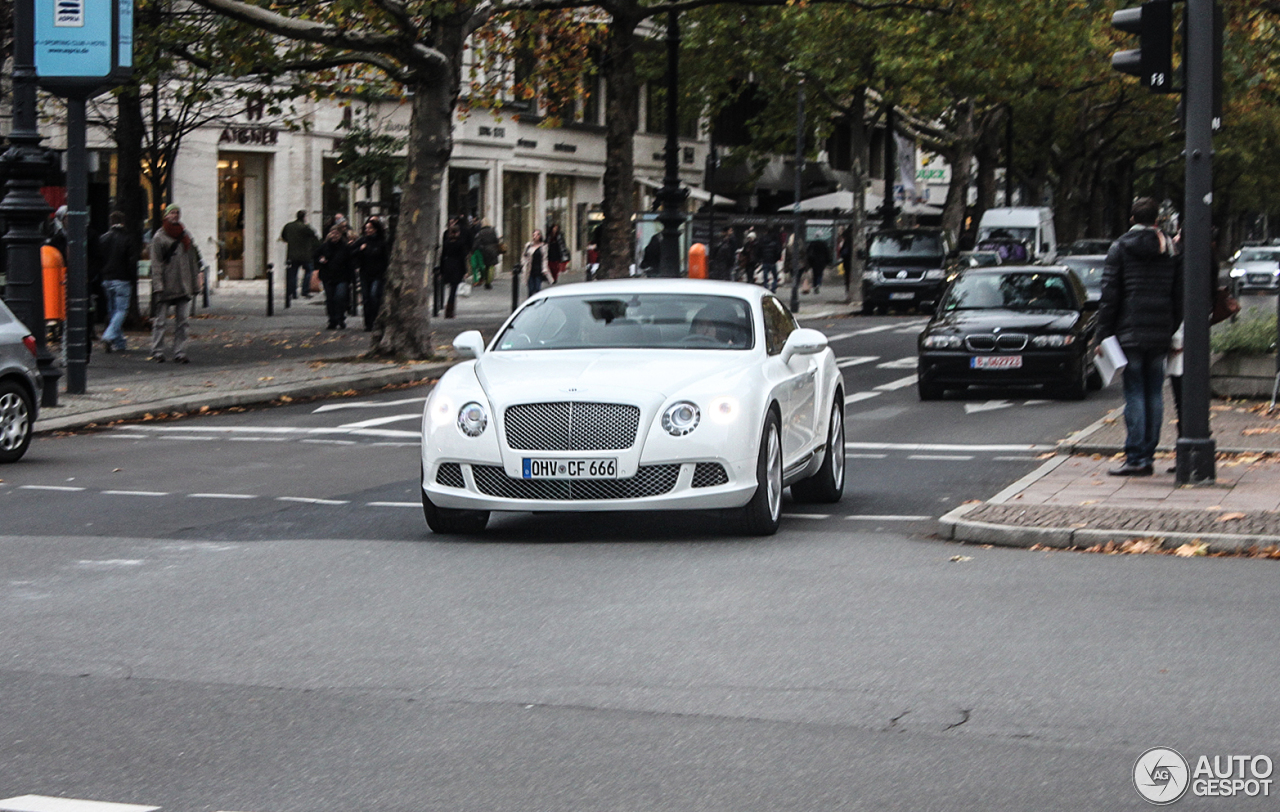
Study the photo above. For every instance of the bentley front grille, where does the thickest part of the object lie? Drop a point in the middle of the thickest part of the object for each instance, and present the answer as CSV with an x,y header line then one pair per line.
x,y
650,480
571,426
708,474
450,475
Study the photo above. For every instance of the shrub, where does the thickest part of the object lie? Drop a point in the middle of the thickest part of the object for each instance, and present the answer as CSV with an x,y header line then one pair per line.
x,y
1252,334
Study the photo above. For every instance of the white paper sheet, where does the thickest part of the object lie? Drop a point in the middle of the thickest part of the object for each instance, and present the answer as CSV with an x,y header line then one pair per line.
x,y
1110,359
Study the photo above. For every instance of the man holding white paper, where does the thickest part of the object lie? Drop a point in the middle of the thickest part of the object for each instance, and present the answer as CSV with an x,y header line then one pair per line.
x,y
1141,289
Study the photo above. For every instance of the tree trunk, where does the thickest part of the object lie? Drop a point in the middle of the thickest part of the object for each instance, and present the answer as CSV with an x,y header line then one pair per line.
x,y
403,328
961,159
859,146
617,234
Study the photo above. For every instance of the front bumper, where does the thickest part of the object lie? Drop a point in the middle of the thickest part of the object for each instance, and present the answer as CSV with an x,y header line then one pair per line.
x,y
905,293
670,486
1050,367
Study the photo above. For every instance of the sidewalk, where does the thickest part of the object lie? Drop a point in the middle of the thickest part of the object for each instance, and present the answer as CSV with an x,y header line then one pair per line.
x,y
1071,502
241,357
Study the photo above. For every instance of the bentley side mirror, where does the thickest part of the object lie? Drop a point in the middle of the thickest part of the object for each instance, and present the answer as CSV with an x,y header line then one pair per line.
x,y
804,341
470,343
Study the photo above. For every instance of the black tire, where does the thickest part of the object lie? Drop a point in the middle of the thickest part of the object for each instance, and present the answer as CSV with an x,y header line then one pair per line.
x,y
1078,387
762,515
16,425
827,485
868,308
450,521
929,391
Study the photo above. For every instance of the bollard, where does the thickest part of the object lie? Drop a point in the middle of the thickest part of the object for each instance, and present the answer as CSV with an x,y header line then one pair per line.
x,y
271,292
437,291
515,288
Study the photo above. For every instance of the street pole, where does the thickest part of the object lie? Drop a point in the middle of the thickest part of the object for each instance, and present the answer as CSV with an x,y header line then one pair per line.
x,y
798,222
672,216
23,207
77,247
1196,449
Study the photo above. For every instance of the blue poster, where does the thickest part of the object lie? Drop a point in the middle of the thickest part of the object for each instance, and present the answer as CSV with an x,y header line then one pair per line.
x,y
75,38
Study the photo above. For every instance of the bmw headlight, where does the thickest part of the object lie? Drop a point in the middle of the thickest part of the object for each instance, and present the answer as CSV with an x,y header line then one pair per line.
x,y
936,273
681,418
943,342
1053,341
472,419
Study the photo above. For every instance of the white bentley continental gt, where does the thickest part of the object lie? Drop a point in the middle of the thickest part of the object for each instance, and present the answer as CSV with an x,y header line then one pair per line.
x,y
644,394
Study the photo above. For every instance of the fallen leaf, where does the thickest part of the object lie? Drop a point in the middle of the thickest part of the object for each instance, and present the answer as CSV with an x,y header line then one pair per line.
x,y
1229,517
1089,502
268,378
961,558
116,470
286,399
1191,549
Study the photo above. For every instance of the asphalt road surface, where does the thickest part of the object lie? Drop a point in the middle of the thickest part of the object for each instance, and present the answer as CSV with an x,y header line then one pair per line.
x,y
245,611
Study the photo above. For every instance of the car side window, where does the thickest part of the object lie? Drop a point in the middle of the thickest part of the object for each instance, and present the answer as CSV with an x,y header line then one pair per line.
x,y
778,324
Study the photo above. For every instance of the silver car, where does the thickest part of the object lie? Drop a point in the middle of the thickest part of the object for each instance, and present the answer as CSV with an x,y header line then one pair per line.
x,y
19,386
1256,268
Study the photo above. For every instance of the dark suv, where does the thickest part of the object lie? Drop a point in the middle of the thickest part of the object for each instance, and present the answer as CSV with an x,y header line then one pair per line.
x,y
905,267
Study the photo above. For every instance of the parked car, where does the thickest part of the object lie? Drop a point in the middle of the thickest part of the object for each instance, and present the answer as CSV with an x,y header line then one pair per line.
x,y
641,394
1023,325
1087,247
1256,270
19,386
905,267
1089,268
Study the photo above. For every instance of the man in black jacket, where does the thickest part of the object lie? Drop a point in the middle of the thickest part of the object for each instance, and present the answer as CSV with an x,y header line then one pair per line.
x,y
119,277
1141,289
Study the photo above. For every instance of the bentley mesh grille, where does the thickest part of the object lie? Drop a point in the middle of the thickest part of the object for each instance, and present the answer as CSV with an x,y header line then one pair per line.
x,y
707,474
650,480
571,426
450,475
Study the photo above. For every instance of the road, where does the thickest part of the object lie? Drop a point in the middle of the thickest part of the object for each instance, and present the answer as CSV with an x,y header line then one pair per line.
x,y
245,611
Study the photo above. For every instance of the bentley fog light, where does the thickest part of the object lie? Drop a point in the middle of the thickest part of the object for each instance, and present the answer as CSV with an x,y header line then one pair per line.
x,y
472,418
441,411
681,418
723,410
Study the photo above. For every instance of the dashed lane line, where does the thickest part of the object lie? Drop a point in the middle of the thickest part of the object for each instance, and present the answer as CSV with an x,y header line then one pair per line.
x,y
878,329
901,383
221,496
960,447
45,803
135,493
859,396
67,488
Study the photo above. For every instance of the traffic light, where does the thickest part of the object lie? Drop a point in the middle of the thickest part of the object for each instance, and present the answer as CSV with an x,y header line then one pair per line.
x,y
1153,61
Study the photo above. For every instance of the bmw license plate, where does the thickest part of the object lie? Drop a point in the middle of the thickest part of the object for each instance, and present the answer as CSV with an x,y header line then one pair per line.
x,y
996,362
900,296
534,468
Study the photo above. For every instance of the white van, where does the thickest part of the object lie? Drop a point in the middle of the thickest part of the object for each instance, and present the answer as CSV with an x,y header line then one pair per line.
x,y
1030,225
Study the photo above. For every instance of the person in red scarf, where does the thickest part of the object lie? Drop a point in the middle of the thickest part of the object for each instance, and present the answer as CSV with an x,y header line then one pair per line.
x,y
175,278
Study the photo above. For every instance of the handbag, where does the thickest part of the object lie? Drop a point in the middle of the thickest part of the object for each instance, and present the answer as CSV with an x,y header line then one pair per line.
x,y
314,283
1225,306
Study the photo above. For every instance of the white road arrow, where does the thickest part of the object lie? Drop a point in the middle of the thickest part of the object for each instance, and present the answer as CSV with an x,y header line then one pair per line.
x,y
989,406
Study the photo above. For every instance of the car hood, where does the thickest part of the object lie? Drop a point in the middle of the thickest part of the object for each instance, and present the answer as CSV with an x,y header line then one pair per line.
x,y
629,376
1257,266
988,320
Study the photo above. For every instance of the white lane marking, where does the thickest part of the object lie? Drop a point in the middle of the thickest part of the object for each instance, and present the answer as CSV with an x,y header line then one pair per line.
x,y
806,515
395,445
854,360
857,396
135,493
329,442
394,504
365,404
910,362
44,803
188,439
112,562
221,496
990,405
1032,447
312,500
888,517
280,430
880,329
849,456
1035,402
381,421
259,439
901,383
939,456
123,436
69,488
1014,459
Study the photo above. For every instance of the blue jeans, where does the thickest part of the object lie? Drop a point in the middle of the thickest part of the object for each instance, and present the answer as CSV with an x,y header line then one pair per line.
x,y
119,293
292,282
1143,404
767,268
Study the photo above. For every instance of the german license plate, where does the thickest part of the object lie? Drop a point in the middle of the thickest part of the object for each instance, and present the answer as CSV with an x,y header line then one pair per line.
x,y
900,296
534,468
996,362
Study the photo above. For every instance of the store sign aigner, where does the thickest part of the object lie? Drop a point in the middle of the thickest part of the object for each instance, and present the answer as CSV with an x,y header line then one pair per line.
x,y
83,46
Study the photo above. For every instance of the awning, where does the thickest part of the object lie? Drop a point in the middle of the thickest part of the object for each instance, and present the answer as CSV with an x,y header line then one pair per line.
x,y
694,192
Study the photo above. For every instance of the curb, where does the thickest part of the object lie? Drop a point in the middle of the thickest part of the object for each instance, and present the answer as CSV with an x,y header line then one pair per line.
x,y
245,397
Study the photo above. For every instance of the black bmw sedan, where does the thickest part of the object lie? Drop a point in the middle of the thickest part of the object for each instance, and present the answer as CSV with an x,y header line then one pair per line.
x,y
1027,325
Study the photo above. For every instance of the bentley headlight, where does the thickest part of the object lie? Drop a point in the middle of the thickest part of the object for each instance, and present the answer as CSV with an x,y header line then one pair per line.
x,y
472,418
942,342
681,418
723,410
1053,341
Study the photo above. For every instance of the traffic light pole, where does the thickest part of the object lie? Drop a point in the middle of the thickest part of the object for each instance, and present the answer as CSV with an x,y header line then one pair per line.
x,y
1195,449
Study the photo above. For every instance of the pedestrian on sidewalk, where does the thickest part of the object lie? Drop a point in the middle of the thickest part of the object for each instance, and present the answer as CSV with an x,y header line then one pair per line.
x,y
1141,289
455,248
533,263
336,273
175,278
770,254
372,258
119,277
818,253
302,243
724,257
557,251
489,245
